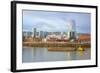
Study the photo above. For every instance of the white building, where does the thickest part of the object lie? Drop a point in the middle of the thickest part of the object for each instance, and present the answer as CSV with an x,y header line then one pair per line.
x,y
71,29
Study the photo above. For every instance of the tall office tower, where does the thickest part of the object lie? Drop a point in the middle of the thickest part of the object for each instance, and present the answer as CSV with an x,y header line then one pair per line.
x,y
34,32
45,34
41,34
71,29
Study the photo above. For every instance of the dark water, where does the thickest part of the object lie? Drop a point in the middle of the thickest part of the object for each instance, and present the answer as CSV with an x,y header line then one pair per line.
x,y
43,55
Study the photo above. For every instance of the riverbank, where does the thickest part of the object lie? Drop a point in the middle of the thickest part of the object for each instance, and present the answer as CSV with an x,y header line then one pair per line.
x,y
56,44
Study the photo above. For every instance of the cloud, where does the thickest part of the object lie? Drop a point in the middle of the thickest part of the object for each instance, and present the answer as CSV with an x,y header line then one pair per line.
x,y
55,21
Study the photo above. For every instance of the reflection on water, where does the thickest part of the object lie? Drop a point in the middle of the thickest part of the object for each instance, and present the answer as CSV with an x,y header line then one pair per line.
x,y
43,55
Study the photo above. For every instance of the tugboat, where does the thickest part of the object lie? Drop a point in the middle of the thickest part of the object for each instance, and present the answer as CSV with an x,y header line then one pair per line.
x,y
80,48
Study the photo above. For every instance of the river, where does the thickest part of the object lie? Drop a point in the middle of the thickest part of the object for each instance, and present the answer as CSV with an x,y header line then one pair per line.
x,y
44,55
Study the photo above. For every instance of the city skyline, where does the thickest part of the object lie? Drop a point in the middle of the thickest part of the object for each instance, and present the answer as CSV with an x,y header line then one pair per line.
x,y
55,21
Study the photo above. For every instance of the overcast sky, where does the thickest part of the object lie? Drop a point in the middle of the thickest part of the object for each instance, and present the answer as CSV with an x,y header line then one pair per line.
x,y
55,21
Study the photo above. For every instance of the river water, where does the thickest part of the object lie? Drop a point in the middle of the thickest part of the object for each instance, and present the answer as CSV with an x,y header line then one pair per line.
x,y
43,55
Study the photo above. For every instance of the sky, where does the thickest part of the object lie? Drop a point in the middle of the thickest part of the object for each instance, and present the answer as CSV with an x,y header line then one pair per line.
x,y
56,21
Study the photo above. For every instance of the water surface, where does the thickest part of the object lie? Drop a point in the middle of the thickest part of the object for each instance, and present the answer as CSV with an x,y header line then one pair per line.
x,y
43,55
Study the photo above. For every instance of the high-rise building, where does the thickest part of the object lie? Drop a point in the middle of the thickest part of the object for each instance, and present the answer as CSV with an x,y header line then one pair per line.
x,y
34,32
41,34
71,29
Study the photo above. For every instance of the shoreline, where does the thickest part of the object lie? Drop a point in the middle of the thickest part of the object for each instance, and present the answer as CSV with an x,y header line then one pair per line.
x,y
57,44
